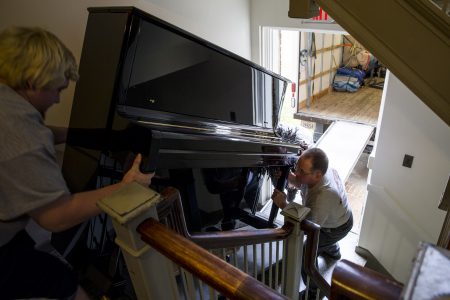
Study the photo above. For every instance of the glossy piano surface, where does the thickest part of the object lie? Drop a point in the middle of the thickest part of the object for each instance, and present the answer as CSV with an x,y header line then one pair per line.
x,y
187,105
173,74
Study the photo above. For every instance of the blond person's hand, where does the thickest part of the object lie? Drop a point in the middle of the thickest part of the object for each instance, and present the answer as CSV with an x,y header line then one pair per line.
x,y
135,174
279,198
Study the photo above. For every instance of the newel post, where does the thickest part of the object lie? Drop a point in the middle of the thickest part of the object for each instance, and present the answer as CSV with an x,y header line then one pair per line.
x,y
293,256
150,271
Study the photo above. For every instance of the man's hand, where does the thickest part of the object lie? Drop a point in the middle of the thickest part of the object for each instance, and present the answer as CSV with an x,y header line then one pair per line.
x,y
134,174
292,181
279,198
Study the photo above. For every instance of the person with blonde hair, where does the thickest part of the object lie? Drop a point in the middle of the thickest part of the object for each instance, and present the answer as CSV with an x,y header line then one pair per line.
x,y
35,67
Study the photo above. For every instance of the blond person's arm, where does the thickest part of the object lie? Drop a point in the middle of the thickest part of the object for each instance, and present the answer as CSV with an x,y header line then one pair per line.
x,y
70,210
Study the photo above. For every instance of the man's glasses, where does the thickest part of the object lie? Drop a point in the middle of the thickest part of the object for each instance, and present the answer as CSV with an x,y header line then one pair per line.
x,y
300,172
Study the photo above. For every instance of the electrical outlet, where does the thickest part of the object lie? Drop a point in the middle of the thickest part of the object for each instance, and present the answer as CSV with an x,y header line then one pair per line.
x,y
408,160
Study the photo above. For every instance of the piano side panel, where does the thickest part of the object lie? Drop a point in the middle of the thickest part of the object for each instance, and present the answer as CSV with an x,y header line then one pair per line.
x,y
93,106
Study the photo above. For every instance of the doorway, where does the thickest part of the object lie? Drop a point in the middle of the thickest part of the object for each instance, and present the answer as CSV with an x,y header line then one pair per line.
x,y
319,94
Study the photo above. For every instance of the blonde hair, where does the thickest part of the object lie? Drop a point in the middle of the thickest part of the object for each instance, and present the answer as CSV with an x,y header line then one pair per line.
x,y
31,57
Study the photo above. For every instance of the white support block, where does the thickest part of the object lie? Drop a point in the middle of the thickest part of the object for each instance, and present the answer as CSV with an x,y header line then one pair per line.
x,y
151,272
294,213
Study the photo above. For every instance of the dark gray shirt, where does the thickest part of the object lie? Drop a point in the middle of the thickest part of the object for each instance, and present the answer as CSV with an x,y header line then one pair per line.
x,y
29,174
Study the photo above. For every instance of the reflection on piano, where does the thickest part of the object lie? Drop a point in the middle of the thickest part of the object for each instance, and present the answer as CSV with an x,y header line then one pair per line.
x,y
188,106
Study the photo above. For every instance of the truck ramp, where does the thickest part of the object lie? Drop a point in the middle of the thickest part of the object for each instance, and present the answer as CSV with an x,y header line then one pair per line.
x,y
344,142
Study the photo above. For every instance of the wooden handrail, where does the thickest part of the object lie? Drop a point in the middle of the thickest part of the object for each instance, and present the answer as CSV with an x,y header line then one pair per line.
x,y
228,280
170,211
171,208
351,281
312,231
224,239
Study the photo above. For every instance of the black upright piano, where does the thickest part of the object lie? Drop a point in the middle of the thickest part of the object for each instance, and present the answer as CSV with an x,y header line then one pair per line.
x,y
149,87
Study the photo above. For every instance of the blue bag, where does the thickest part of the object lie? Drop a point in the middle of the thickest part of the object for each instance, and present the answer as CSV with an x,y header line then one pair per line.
x,y
357,73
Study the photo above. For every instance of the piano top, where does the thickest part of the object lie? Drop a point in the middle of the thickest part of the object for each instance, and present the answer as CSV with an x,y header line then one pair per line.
x,y
133,11
166,74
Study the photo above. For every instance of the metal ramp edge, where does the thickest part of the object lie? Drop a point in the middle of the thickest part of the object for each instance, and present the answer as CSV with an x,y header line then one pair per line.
x,y
344,142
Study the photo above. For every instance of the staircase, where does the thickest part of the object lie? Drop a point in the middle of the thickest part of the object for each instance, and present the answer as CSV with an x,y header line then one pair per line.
x,y
410,37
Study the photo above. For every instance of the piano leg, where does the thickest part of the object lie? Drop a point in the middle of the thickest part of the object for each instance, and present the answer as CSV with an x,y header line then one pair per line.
x,y
230,201
253,189
183,180
280,185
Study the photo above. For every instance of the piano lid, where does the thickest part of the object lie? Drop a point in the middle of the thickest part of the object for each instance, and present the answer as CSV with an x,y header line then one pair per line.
x,y
170,76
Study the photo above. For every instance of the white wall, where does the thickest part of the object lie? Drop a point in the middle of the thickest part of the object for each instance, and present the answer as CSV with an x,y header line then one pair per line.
x,y
402,203
222,22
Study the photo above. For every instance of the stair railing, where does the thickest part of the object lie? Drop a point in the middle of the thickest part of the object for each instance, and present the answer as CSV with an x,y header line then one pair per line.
x,y
155,277
228,280
312,231
351,281
226,244
272,255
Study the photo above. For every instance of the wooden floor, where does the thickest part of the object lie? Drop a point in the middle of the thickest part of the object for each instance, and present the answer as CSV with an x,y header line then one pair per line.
x,y
362,106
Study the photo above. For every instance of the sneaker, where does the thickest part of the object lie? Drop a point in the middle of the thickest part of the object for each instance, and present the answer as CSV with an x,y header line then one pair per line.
x,y
228,225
